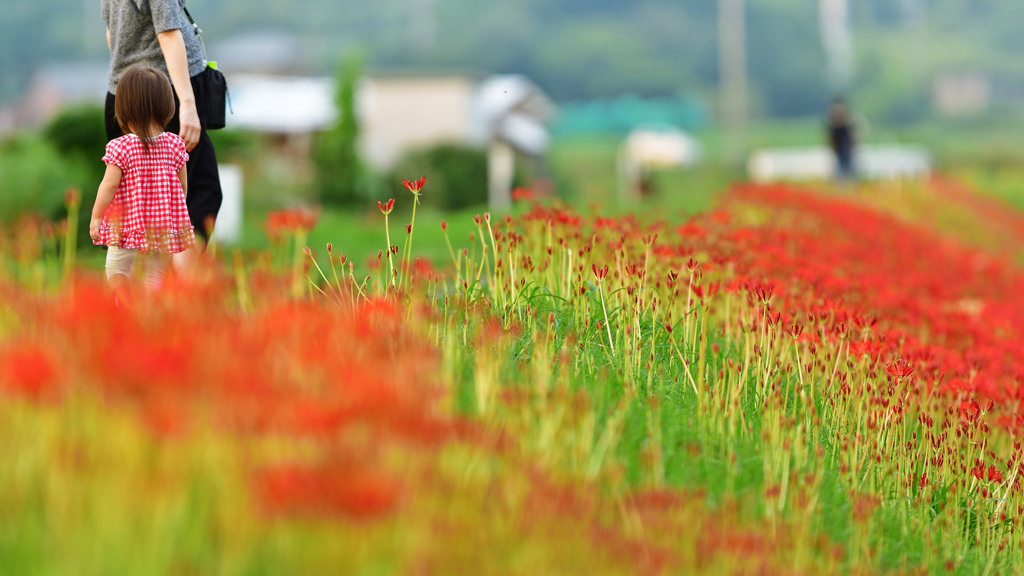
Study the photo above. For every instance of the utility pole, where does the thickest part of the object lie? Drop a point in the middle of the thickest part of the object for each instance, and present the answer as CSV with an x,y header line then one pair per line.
x,y
834,16
732,69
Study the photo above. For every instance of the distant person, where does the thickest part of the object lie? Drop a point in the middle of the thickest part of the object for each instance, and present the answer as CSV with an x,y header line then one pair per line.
x,y
156,33
140,206
841,139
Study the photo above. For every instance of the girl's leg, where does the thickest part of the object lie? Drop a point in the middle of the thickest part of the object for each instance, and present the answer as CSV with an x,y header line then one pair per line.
x,y
119,269
119,265
185,262
156,269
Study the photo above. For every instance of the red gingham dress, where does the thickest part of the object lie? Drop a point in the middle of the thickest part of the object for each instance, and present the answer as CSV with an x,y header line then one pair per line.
x,y
148,212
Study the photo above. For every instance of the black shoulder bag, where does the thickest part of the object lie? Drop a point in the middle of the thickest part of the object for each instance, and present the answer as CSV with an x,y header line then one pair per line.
x,y
217,97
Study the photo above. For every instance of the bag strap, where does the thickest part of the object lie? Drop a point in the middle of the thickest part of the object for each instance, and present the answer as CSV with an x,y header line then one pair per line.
x,y
197,30
195,27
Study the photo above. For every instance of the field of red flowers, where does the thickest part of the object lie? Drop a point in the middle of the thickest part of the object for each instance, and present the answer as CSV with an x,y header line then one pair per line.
x,y
796,382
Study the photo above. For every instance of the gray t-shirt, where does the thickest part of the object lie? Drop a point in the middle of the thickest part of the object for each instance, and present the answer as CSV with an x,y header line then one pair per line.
x,y
133,26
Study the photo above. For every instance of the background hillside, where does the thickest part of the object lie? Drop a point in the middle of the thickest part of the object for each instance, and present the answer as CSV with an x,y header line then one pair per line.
x,y
580,49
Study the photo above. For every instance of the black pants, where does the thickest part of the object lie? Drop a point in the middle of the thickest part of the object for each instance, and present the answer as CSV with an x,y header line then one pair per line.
x,y
204,193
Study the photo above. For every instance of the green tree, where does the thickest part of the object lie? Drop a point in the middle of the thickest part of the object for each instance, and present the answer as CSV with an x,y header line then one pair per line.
x,y
33,179
456,176
78,133
339,170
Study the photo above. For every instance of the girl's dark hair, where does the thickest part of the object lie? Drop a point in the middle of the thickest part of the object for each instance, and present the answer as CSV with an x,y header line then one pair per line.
x,y
144,96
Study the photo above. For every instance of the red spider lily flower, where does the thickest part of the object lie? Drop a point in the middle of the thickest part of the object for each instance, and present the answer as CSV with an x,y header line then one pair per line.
x,y
692,229
29,370
720,217
307,251
600,273
304,491
969,410
763,294
386,207
522,194
329,247
994,475
408,228
899,369
290,221
924,480
423,267
414,186
979,471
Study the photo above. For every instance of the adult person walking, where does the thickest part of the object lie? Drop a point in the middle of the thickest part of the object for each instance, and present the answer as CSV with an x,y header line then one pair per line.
x,y
841,139
157,33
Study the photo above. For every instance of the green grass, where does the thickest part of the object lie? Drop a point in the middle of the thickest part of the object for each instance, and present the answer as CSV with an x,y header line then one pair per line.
x,y
359,233
1003,182
585,168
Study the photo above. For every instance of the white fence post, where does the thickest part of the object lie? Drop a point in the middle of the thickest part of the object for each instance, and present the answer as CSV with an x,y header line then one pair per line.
x,y
230,218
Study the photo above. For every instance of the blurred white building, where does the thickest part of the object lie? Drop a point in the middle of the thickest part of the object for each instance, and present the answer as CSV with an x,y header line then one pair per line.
x,y
962,93
283,105
399,113
653,147
510,115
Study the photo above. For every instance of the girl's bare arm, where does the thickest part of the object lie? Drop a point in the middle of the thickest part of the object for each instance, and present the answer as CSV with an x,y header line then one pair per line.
x,y
183,176
108,187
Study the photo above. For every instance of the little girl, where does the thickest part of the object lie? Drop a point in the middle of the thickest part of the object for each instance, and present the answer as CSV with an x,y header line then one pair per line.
x,y
140,207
